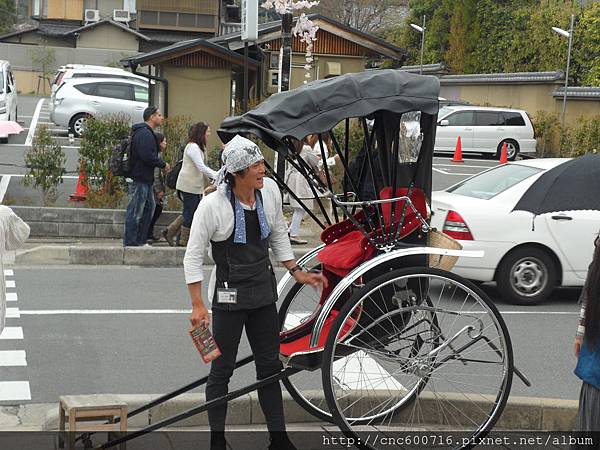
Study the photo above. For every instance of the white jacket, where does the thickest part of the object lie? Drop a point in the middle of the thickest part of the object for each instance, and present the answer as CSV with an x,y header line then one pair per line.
x,y
13,233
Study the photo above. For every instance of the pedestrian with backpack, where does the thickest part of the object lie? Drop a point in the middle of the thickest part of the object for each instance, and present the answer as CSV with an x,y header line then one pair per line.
x,y
192,177
143,159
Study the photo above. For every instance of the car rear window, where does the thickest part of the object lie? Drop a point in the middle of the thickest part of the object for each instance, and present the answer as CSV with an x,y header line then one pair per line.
x,y
514,119
491,183
87,88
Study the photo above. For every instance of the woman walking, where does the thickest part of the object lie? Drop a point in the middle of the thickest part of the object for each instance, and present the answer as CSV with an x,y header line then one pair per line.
x,y
298,184
587,351
192,178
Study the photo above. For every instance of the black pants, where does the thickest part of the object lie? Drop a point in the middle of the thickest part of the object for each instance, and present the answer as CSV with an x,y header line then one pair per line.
x,y
157,212
262,330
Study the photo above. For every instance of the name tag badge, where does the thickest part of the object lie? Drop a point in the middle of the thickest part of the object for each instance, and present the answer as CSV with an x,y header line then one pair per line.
x,y
228,296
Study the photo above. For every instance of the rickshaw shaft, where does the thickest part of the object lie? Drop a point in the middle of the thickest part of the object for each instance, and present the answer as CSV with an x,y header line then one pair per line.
x,y
204,407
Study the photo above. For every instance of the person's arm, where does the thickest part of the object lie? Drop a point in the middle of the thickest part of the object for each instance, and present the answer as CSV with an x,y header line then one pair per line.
x,y
203,227
579,335
197,157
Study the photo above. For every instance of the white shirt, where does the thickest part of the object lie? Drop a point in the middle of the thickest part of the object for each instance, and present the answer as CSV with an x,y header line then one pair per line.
x,y
214,220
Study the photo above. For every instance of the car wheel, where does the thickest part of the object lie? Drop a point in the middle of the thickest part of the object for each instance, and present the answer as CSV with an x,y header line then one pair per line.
x,y
512,149
77,124
526,276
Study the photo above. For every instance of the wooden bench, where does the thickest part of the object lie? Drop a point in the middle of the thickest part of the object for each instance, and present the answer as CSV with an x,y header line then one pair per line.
x,y
82,409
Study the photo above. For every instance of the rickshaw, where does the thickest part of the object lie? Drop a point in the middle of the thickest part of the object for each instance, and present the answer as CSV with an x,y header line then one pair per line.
x,y
398,342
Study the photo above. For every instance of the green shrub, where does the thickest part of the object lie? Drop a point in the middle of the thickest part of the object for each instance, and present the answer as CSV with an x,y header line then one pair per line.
x,y
583,138
45,165
547,130
99,137
175,129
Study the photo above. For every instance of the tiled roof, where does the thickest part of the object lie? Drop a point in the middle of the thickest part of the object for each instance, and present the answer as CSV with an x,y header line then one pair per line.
x,y
591,93
427,68
501,78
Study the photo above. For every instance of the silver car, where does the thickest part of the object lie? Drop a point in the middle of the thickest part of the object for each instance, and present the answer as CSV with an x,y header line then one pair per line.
x,y
80,98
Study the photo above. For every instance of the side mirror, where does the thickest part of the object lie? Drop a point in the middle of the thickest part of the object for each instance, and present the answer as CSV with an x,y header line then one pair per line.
x,y
444,123
8,89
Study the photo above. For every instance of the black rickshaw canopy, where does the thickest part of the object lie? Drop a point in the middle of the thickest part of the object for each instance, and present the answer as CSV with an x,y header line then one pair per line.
x,y
319,106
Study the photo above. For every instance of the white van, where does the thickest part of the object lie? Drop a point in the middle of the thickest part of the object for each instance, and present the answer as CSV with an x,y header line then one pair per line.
x,y
484,130
8,93
88,71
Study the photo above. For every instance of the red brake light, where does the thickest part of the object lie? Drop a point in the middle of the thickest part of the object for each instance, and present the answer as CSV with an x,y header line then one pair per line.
x,y
456,227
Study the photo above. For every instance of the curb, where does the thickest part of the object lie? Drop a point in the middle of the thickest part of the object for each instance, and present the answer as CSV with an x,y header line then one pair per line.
x,y
520,413
102,255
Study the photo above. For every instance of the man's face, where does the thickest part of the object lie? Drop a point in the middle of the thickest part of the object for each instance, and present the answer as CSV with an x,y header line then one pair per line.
x,y
156,118
254,176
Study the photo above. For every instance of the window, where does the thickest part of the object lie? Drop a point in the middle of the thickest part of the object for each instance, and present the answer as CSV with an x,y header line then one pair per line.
x,y
141,94
167,18
461,119
493,182
87,88
514,119
1,83
114,90
488,119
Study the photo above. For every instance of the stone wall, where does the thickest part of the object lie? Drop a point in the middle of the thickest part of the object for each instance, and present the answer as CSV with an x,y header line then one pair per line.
x,y
80,222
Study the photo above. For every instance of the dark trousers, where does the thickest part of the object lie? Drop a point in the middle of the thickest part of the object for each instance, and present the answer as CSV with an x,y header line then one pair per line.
x,y
190,203
157,212
262,330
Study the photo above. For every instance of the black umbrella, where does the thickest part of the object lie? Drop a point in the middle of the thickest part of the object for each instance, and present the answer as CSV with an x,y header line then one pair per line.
x,y
573,185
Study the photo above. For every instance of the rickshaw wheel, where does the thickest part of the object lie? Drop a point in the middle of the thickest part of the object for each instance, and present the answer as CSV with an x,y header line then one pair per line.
x,y
435,355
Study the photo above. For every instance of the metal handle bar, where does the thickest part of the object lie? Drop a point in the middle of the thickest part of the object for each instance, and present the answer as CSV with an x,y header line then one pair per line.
x,y
381,202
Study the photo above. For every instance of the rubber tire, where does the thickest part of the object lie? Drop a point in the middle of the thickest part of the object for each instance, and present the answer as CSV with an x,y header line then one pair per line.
x,y
503,277
511,142
378,281
307,406
75,118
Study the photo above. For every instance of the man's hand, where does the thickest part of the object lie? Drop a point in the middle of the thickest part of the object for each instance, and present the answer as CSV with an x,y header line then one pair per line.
x,y
167,167
161,195
199,314
577,347
315,279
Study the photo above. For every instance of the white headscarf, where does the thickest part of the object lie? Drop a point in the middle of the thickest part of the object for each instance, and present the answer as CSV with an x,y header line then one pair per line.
x,y
239,153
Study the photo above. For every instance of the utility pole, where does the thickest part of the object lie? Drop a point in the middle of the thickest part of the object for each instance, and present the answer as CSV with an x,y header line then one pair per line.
x,y
284,72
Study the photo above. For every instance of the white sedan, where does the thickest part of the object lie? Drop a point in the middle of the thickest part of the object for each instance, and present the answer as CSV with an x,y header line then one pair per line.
x,y
527,257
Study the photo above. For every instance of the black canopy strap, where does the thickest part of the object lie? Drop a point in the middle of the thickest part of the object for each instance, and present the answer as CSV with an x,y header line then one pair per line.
x,y
396,145
301,166
346,154
382,144
328,176
369,142
283,186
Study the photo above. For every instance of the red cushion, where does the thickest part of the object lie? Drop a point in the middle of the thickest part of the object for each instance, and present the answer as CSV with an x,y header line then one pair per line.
x,y
346,253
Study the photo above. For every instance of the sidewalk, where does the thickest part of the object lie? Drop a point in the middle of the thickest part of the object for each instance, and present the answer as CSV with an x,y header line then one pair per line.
x,y
110,252
521,413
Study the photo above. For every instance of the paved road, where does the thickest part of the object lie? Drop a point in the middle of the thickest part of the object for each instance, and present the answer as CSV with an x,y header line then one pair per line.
x,y
83,332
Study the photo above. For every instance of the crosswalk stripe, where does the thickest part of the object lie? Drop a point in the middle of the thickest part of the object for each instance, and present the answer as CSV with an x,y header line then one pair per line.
x,y
10,284
9,273
11,333
11,297
12,358
12,313
14,390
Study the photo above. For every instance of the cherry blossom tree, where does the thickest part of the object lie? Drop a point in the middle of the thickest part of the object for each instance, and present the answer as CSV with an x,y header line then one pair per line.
x,y
305,28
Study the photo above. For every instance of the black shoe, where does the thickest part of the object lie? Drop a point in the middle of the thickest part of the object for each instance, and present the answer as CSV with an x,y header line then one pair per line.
x,y
152,239
281,441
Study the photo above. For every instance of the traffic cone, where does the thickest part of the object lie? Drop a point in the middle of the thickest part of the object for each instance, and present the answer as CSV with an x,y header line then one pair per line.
x,y
503,154
80,193
458,152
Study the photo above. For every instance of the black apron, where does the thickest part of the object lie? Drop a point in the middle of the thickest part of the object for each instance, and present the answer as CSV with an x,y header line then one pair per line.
x,y
245,267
